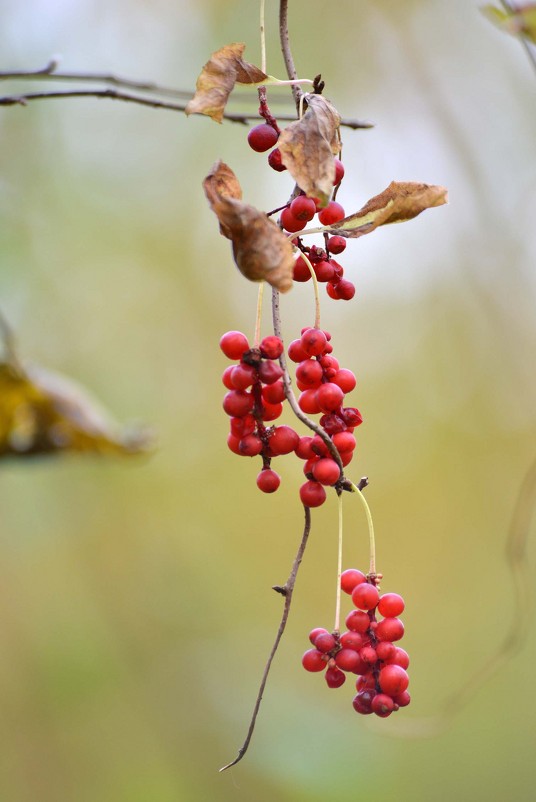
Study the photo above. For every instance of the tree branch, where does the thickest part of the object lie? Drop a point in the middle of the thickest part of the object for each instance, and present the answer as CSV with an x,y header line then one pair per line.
x,y
286,590
287,53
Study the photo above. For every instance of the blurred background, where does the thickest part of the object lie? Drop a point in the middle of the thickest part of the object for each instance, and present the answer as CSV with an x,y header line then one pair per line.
x,y
136,610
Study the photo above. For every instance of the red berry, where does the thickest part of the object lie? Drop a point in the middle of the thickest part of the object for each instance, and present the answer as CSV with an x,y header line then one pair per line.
x,y
346,458
234,442
303,449
368,655
301,270
314,633
324,270
329,397
390,629
325,642
363,701
351,578
262,137
303,208
400,658
365,596
345,379
234,344
332,213
336,244
339,172
307,402
335,677
309,372
226,377
385,650
243,376
268,481
343,441
283,440
274,160
313,660
403,699
319,446
312,494
296,351
270,371
291,223
393,680
271,411
351,416
333,292
352,640
313,341
250,445
391,605
358,621
347,659
382,705
326,471
237,403
345,290
240,427
271,347
274,393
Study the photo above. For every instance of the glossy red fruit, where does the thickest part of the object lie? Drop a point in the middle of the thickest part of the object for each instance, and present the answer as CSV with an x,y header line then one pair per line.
x,y
345,379
296,351
314,633
390,629
291,223
312,494
274,160
303,449
352,640
234,442
283,440
234,344
336,244
303,208
324,271
268,481
243,376
347,659
368,655
351,578
313,660
403,699
250,445
240,427
313,341
362,703
393,680
382,705
226,377
335,677
358,621
301,270
237,403
269,371
391,605
365,596
274,393
343,442
329,397
351,416
271,411
400,658
345,290
385,650
262,137
326,471
307,402
325,642
339,172
332,213
271,347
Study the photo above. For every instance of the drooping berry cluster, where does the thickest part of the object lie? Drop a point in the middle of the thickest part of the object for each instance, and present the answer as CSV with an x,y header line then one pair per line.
x,y
366,649
300,211
256,395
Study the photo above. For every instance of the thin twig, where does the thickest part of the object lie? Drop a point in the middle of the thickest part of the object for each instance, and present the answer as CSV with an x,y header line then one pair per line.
x,y
286,590
112,94
287,53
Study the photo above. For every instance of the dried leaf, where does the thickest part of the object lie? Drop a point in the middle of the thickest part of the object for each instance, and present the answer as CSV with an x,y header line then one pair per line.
x,y
399,202
217,79
44,413
519,22
309,145
260,249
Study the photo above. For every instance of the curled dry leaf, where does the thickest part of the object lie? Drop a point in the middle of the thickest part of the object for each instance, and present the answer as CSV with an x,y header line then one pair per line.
x,y
399,202
217,79
309,145
45,413
260,249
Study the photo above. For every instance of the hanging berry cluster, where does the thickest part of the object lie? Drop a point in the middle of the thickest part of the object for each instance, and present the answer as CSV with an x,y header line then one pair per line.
x,y
256,394
367,649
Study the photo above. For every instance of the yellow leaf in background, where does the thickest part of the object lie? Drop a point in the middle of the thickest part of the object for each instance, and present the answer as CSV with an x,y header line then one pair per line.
x,y
218,77
45,413
521,21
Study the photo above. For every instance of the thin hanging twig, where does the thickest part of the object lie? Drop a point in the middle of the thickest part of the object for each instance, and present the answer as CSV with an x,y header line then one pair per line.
x,y
285,590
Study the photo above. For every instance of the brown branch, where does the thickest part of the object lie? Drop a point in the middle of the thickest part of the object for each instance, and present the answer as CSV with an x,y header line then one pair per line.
x,y
287,53
285,590
155,103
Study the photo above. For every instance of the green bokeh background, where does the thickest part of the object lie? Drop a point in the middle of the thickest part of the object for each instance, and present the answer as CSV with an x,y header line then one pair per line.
x,y
135,605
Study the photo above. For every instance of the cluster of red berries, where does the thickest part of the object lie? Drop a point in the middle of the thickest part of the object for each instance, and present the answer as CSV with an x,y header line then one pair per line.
x,y
300,211
367,648
255,397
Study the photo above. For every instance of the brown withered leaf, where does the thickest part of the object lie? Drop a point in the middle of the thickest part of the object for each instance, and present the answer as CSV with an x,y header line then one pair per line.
x,y
309,145
222,71
45,413
400,201
260,249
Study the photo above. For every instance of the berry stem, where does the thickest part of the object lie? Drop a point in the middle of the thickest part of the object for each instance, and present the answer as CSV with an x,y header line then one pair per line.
x,y
258,316
316,290
285,590
372,542
336,628
263,39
